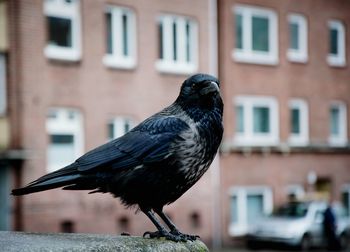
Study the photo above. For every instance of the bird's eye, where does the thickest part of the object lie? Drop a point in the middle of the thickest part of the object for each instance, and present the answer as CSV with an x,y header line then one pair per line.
x,y
193,85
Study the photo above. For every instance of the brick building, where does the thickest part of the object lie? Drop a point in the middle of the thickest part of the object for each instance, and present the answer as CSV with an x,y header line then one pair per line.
x,y
83,72
79,73
284,67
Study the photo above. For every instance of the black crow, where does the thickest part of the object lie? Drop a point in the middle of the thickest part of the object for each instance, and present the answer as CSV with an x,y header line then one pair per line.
x,y
156,162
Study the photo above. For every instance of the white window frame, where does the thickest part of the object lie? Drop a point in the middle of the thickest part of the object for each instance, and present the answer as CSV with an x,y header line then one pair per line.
x,y
61,124
116,59
299,55
118,125
247,54
302,138
61,9
341,139
248,137
179,66
241,227
3,85
337,60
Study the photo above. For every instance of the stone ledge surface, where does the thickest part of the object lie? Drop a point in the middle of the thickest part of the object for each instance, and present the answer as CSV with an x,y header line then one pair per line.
x,y
30,242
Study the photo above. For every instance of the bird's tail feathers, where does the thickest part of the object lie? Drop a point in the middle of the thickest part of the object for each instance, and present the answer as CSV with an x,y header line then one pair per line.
x,y
63,177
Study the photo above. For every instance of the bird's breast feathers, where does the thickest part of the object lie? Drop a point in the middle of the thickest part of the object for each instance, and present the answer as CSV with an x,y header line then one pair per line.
x,y
199,145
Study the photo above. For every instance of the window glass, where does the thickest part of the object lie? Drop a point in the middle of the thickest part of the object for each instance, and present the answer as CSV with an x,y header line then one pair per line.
x,y
239,31
160,40
255,207
261,119
295,120
335,118
345,197
239,119
61,149
60,31
294,36
188,42
108,17
333,37
125,24
260,28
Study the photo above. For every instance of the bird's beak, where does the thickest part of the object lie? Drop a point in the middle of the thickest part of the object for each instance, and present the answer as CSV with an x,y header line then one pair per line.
x,y
211,87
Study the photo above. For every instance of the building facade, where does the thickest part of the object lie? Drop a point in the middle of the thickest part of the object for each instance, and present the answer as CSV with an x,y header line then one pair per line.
x,y
284,68
84,72
76,73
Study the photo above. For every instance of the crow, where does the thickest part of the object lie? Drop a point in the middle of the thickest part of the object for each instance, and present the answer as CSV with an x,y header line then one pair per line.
x,y
156,162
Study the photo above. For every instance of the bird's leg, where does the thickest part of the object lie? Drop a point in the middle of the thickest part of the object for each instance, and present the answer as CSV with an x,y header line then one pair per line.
x,y
173,228
162,232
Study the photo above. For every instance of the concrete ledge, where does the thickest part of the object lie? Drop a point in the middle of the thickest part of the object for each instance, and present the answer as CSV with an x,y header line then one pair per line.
x,y
30,242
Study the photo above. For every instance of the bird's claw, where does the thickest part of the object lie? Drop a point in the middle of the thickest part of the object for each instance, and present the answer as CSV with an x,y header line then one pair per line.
x,y
186,237
166,235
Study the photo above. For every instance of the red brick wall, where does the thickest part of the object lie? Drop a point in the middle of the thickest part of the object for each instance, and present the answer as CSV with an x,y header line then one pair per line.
x,y
100,93
315,81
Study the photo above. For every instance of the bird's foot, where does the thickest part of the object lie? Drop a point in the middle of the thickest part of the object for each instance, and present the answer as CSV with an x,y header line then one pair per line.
x,y
185,237
165,234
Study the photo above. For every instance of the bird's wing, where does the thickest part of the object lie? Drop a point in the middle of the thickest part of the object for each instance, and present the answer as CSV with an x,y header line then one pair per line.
x,y
147,143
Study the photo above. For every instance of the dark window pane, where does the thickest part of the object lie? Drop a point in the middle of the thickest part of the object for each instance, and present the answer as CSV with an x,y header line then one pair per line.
x,y
125,35
239,31
110,130
345,200
333,41
261,120
239,119
126,126
62,139
160,40
335,124
60,31
109,39
175,41
260,30
188,41
294,36
295,121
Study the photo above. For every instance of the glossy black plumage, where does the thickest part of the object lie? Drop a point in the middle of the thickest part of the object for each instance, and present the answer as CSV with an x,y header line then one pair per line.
x,y
157,161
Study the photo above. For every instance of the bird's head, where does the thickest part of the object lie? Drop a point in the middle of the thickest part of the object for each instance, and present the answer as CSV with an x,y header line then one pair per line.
x,y
200,89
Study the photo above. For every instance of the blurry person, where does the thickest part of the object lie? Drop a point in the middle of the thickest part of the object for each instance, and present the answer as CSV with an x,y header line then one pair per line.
x,y
330,228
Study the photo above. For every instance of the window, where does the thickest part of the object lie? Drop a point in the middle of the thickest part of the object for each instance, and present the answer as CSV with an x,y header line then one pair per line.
x,y
336,51
299,122
345,198
120,37
3,88
256,121
178,44
297,51
65,131
63,29
338,124
255,35
247,205
119,126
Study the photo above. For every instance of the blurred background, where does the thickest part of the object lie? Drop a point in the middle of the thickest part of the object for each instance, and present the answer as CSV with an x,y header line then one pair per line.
x,y
75,74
